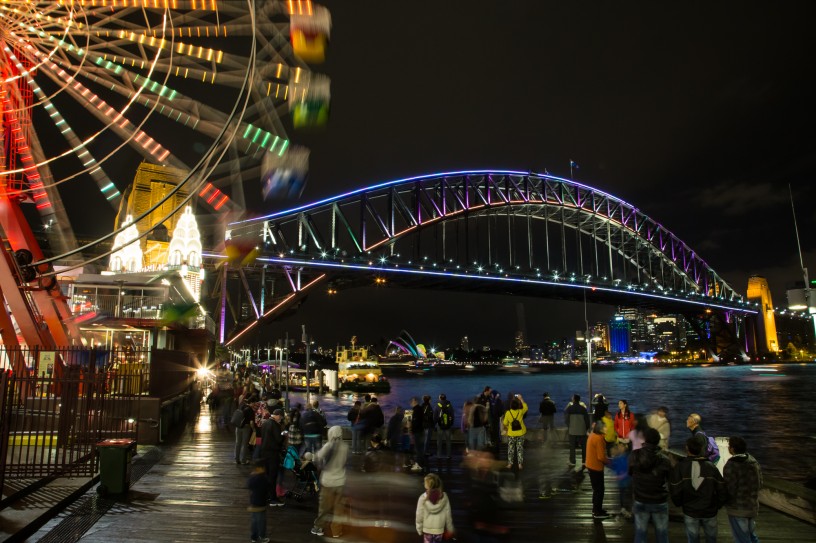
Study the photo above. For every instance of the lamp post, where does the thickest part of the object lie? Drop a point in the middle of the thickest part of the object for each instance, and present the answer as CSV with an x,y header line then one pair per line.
x,y
305,339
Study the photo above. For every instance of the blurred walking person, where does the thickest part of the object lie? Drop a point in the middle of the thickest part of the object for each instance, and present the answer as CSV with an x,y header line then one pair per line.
x,y
650,469
332,457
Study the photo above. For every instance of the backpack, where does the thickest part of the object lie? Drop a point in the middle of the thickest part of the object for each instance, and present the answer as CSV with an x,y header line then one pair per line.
x,y
445,416
427,416
515,425
712,451
237,418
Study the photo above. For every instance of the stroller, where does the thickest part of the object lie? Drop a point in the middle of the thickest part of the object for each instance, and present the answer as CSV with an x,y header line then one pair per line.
x,y
303,476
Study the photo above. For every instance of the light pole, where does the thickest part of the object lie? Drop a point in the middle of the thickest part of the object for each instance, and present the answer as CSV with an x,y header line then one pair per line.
x,y
305,339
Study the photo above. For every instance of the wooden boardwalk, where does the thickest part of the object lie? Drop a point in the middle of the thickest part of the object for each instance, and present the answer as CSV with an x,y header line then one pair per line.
x,y
191,490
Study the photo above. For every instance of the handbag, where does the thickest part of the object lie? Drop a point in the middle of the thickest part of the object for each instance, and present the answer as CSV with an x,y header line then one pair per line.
x,y
252,437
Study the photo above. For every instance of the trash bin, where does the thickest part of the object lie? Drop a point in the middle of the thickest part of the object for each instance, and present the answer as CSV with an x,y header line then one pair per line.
x,y
114,465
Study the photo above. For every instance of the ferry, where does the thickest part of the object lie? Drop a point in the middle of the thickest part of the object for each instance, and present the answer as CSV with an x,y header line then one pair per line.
x,y
357,371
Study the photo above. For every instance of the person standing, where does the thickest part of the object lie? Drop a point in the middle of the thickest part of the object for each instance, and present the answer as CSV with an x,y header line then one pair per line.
x,y
660,422
743,478
610,435
312,423
443,417
514,422
258,490
577,420
272,447
417,430
495,411
546,411
427,424
356,432
332,456
477,432
433,513
242,432
596,461
697,486
624,421
650,469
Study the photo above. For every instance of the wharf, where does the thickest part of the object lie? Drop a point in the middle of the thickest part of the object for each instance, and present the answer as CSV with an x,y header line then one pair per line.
x,y
191,490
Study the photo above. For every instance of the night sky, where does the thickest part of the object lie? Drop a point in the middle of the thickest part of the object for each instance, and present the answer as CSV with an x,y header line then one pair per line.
x,y
699,114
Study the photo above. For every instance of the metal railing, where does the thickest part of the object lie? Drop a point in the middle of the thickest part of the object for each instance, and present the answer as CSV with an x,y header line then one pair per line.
x,y
50,423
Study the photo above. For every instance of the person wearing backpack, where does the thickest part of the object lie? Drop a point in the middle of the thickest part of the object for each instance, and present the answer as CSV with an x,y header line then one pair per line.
x,y
443,417
514,422
709,446
697,486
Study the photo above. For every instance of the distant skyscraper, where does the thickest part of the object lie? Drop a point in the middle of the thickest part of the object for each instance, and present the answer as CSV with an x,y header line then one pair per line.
x,y
519,340
620,336
464,344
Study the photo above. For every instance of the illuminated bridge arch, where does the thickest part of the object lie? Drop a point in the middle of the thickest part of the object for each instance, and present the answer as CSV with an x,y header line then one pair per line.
x,y
536,231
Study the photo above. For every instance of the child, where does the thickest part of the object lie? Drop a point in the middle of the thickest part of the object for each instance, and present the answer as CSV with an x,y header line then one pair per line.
x,y
433,513
258,489
309,470
620,466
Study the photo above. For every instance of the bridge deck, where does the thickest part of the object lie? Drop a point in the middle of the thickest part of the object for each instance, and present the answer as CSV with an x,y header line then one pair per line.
x,y
192,490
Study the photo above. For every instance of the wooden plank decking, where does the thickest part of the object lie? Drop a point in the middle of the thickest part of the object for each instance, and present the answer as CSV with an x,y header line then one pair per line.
x,y
191,490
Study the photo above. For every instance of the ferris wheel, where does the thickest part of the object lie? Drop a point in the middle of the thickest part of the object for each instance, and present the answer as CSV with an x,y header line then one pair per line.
x,y
202,86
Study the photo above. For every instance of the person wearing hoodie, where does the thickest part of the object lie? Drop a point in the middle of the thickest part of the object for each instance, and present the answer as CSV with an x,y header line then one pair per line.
x,y
433,512
332,457
743,478
697,486
650,470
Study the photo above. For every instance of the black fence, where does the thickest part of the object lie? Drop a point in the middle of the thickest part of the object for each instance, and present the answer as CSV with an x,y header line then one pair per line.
x,y
52,418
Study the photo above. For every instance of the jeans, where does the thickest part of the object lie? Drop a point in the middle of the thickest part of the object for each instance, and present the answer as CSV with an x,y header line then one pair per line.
x,y
357,445
311,443
577,441
242,443
693,525
743,529
547,426
658,513
443,437
257,525
419,446
476,438
597,480
426,440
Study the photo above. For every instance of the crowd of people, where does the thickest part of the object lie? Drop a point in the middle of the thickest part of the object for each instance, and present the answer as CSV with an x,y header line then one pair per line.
x,y
633,446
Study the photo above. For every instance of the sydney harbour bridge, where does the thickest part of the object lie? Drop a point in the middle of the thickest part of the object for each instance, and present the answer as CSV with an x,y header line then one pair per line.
x,y
518,233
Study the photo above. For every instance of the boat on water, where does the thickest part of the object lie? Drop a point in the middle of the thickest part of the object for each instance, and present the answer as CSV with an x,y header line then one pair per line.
x,y
359,371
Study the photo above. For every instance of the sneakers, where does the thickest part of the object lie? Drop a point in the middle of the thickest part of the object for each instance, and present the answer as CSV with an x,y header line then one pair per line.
x,y
416,467
626,513
545,496
317,531
261,540
601,515
276,503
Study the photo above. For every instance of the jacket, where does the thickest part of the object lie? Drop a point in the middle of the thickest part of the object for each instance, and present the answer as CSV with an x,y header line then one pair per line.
x,y
596,457
271,439
433,518
371,417
610,435
650,470
661,425
416,419
743,478
624,424
312,423
332,457
577,419
515,414
697,486
546,407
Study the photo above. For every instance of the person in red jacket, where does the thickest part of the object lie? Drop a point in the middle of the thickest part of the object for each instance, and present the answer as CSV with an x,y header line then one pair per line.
x,y
624,421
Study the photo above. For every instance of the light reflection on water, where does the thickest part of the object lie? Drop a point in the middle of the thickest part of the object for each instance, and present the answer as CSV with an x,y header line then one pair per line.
x,y
774,411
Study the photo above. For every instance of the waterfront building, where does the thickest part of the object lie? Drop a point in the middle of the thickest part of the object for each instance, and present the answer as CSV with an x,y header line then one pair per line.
x,y
620,335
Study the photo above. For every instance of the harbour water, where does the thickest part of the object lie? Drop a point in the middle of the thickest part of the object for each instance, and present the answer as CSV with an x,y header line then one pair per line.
x,y
772,407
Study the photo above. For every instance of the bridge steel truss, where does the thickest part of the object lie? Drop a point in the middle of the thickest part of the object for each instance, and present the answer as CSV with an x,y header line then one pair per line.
x,y
531,229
